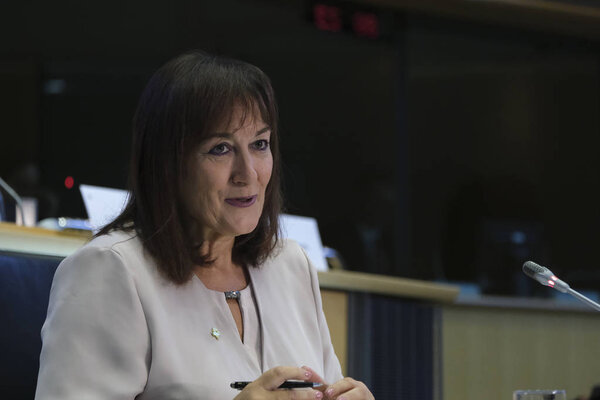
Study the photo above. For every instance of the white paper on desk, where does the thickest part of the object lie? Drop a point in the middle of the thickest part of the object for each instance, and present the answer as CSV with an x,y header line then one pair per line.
x,y
102,204
305,231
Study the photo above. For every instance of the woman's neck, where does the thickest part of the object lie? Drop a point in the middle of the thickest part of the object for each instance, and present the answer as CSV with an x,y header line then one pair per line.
x,y
222,274
220,251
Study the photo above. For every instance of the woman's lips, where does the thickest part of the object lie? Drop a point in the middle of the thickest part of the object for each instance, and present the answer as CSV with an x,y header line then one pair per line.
x,y
241,201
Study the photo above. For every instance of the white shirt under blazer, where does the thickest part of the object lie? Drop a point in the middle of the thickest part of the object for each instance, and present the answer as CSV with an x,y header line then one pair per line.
x,y
116,329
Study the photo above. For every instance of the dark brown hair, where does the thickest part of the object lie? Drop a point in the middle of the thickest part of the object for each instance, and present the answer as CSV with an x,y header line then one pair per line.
x,y
183,102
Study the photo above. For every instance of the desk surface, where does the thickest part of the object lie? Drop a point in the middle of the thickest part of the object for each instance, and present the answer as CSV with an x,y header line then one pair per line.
x,y
39,241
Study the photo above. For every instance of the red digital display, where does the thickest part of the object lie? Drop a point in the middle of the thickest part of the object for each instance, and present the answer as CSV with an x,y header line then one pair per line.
x,y
365,24
327,18
344,17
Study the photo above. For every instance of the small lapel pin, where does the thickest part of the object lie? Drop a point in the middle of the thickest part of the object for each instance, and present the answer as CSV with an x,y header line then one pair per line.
x,y
215,333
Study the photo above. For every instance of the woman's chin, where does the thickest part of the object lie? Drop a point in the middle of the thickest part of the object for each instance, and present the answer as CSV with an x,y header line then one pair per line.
x,y
244,229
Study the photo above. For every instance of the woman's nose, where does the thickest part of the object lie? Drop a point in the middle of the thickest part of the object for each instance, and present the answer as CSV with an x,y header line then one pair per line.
x,y
243,171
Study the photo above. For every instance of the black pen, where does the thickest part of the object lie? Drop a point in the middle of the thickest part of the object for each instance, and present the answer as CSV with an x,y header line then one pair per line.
x,y
284,385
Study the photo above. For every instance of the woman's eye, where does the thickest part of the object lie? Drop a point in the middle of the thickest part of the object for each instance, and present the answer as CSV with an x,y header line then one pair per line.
x,y
261,144
219,149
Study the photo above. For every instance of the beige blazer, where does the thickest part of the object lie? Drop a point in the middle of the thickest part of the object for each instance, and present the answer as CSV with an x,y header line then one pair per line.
x,y
117,330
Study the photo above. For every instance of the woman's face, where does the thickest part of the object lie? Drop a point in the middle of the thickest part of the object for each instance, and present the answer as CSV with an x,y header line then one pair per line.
x,y
224,186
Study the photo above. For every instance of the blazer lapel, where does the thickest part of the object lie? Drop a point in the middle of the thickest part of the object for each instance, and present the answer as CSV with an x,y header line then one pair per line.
x,y
260,284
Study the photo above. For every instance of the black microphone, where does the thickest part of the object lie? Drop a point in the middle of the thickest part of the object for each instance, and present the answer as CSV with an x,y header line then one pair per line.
x,y
544,276
547,278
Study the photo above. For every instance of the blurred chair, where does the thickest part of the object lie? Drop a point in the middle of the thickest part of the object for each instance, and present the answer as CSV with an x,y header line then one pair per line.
x,y
25,283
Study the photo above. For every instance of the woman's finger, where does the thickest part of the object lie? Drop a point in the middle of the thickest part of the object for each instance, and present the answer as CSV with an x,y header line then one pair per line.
x,y
274,377
356,393
296,394
315,377
348,389
339,387
267,385
255,392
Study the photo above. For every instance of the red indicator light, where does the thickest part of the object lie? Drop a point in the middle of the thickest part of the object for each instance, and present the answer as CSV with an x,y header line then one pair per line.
x,y
551,282
69,182
365,24
327,18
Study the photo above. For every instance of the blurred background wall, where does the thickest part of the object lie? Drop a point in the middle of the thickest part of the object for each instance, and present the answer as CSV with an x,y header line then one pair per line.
x,y
431,140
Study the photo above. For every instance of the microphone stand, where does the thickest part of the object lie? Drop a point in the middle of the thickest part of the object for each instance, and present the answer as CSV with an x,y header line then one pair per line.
x,y
584,299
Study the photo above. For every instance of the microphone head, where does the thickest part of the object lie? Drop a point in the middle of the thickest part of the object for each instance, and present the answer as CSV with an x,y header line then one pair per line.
x,y
530,269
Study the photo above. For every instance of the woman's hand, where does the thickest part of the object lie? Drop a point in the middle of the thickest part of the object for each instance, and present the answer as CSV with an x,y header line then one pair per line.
x,y
266,386
348,389
345,389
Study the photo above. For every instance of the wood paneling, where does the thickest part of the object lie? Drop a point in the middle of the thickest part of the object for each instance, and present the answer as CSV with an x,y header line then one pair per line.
x,y
490,352
335,307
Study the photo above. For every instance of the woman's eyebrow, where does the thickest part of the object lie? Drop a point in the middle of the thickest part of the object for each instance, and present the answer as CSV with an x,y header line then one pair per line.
x,y
263,130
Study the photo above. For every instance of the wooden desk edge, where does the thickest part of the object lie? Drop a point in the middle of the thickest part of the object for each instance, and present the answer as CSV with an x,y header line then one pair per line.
x,y
7,228
40,241
388,285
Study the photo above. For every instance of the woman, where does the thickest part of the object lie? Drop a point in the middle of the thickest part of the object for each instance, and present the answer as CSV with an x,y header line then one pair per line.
x,y
190,289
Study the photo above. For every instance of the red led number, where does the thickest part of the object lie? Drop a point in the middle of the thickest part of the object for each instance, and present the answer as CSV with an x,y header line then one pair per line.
x,y
327,18
365,24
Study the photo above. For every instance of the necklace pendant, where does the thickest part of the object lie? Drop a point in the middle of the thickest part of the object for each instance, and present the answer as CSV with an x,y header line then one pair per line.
x,y
214,332
234,294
